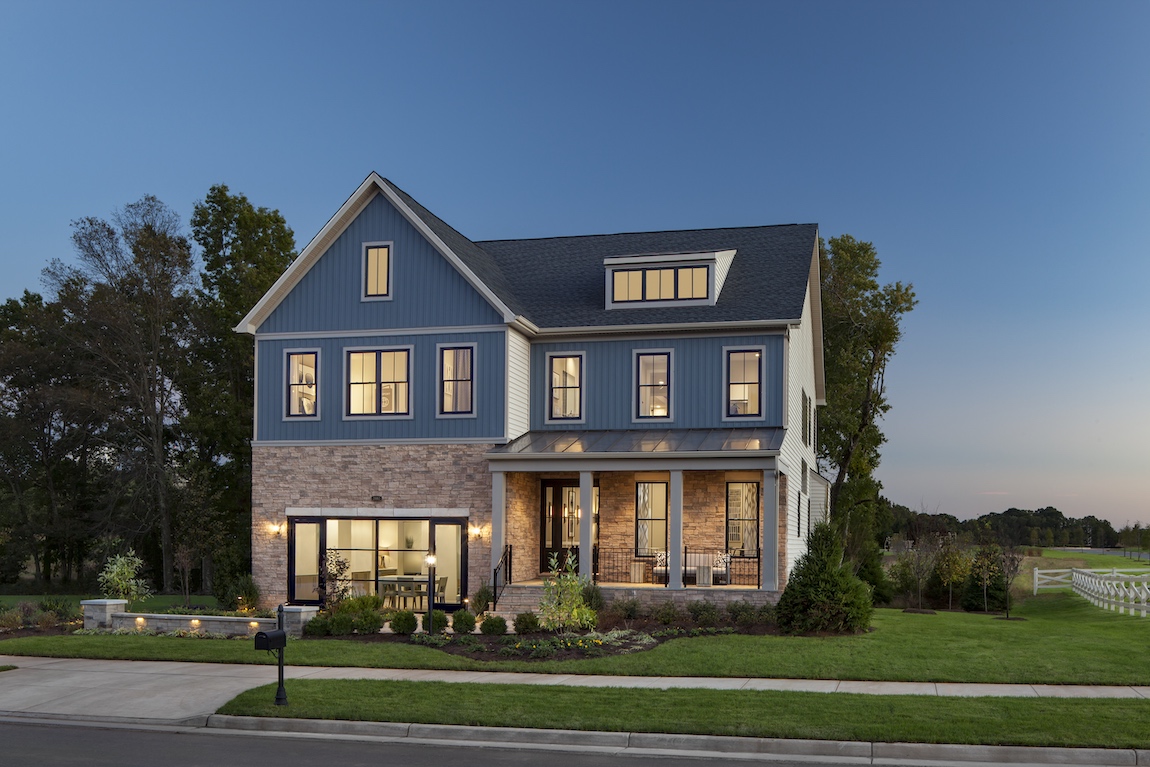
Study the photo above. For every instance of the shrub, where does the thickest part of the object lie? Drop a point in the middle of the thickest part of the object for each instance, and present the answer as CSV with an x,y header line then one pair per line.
x,y
972,594
342,624
627,609
871,571
120,578
482,598
367,602
367,622
493,625
743,614
11,620
666,613
46,620
65,609
704,614
319,626
593,596
438,622
527,623
27,610
462,622
562,607
404,622
242,594
766,614
823,594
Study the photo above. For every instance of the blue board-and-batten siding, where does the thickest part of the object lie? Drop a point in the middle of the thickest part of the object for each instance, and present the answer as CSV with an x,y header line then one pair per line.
x,y
427,291
489,391
697,395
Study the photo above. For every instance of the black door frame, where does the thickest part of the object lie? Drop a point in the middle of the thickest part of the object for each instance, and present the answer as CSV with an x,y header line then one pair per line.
x,y
557,524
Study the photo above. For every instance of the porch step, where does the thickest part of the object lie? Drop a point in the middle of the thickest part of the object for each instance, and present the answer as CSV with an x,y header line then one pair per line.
x,y
518,599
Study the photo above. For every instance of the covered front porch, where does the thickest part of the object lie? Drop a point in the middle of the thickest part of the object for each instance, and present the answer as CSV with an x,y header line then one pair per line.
x,y
666,511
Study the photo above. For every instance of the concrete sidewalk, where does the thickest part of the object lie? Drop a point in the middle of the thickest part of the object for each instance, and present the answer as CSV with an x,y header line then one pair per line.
x,y
175,694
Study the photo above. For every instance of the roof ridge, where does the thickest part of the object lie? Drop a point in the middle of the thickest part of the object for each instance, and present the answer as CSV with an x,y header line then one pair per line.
x,y
651,231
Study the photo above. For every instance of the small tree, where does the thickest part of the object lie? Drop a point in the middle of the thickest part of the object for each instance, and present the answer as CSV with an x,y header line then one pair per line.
x,y
185,560
120,578
953,566
985,567
1010,564
823,593
921,560
562,607
336,585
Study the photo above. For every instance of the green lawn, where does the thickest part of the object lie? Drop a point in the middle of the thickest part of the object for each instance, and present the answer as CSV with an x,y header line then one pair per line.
x,y
1064,640
1090,561
823,716
6,668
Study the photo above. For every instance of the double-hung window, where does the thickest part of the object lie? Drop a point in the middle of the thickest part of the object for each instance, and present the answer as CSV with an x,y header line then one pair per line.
x,y
377,382
456,380
744,376
302,392
650,518
653,385
565,398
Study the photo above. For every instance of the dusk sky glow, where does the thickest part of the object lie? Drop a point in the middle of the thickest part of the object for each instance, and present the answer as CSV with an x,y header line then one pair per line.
x,y
996,154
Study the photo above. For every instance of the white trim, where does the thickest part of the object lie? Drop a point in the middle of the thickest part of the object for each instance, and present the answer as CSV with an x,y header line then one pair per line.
x,y
474,345
363,296
381,332
661,327
345,364
671,387
286,383
401,441
374,512
786,379
582,355
335,226
725,403
255,388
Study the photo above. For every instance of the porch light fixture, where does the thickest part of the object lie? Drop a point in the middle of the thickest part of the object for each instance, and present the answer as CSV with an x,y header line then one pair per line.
x,y
475,531
276,528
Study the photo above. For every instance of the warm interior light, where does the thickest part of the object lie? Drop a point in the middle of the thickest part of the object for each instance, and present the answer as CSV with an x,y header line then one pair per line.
x,y
431,559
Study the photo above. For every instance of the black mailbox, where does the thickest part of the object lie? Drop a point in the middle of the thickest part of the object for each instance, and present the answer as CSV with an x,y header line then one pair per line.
x,y
276,639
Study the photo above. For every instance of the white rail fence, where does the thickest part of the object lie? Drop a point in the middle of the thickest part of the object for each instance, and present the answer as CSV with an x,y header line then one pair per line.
x,y
1121,590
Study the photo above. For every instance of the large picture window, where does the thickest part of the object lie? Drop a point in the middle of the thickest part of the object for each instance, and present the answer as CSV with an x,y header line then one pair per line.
x,y
653,385
743,519
566,395
650,518
378,382
456,380
744,383
301,377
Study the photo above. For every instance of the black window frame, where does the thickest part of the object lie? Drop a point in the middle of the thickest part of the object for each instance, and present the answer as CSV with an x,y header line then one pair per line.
x,y
665,518
444,380
639,386
758,526
367,270
291,386
551,388
675,280
379,382
758,414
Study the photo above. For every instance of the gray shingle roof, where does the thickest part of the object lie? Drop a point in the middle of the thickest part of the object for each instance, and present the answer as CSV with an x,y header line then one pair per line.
x,y
559,281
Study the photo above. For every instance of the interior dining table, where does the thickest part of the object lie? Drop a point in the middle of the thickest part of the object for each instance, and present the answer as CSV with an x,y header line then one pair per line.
x,y
403,591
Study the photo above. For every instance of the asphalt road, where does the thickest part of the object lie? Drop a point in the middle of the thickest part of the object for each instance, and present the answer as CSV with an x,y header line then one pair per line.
x,y
64,744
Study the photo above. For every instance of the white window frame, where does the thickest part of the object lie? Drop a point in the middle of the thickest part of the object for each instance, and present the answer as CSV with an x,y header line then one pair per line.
x,y
345,362
726,403
286,385
671,387
390,245
547,419
439,379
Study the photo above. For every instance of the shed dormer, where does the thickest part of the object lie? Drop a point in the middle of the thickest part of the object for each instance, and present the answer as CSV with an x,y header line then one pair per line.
x,y
669,279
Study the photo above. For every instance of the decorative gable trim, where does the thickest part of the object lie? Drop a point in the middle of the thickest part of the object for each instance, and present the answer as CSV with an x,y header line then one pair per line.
x,y
374,184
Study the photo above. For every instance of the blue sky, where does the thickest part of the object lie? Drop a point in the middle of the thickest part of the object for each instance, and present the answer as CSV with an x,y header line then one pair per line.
x,y
996,154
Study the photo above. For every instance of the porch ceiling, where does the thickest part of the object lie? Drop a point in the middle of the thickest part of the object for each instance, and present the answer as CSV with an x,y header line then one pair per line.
x,y
653,443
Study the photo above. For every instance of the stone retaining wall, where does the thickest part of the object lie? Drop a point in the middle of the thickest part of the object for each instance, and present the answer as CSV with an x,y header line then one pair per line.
x,y
109,614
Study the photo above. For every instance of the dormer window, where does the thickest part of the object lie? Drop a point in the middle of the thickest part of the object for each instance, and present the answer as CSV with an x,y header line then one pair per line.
x,y
680,279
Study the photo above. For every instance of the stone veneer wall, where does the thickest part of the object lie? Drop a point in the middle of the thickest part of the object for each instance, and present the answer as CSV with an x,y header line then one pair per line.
x,y
347,476
783,568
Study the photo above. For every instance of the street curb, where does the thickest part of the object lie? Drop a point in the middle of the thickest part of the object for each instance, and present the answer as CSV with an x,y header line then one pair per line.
x,y
844,752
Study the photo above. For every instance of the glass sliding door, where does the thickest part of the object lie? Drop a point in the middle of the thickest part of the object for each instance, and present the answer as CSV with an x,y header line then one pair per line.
x,y
304,540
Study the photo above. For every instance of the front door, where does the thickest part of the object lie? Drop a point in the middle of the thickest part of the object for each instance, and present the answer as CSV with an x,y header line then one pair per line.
x,y
560,513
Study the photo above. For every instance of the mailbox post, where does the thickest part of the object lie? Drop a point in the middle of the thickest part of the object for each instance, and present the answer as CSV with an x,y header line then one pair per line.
x,y
276,639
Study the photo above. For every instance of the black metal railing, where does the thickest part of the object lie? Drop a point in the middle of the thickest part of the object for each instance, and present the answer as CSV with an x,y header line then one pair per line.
x,y
501,576
627,566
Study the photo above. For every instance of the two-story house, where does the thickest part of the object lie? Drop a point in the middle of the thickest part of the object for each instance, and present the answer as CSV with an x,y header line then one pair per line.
x,y
645,402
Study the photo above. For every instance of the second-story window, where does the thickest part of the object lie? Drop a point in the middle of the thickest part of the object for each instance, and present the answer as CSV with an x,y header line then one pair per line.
x,y
378,382
744,382
653,385
301,376
566,397
377,271
456,380
669,284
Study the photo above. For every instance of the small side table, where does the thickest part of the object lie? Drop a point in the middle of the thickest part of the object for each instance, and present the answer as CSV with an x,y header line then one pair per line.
x,y
703,575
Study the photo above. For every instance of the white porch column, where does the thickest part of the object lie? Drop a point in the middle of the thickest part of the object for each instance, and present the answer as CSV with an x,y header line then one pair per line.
x,y
675,531
586,515
498,518
769,556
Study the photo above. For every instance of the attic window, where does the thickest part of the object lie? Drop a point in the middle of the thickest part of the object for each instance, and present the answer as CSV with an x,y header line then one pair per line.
x,y
376,271
680,279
